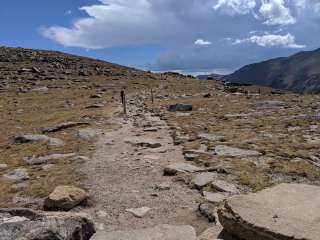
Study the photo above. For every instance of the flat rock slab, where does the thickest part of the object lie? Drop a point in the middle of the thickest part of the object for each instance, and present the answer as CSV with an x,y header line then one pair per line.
x,y
26,224
64,125
161,232
270,104
223,186
226,151
211,137
214,197
286,211
203,179
48,158
30,138
143,142
139,212
176,168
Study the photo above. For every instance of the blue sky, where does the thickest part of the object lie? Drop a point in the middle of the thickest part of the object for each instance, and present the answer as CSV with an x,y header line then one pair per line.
x,y
186,35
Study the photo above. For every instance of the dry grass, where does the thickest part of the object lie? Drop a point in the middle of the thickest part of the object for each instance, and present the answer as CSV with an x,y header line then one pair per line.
x,y
261,130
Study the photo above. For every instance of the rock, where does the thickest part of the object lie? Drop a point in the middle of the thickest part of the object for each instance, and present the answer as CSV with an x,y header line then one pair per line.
x,y
17,175
3,167
215,198
55,142
143,142
150,129
215,233
223,186
138,212
176,168
65,198
211,137
29,138
163,186
270,104
96,96
40,89
203,179
27,224
88,133
286,211
160,232
48,158
96,105
226,151
208,210
181,114
62,126
47,166
180,108
191,156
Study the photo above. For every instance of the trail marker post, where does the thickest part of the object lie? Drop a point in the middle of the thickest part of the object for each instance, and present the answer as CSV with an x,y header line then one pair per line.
x,y
123,100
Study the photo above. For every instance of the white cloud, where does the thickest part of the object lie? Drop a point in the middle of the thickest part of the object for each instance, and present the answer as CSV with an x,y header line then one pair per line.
x,y
235,7
271,41
202,42
276,12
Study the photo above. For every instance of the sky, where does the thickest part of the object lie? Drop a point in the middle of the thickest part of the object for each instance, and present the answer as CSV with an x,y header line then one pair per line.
x,y
189,36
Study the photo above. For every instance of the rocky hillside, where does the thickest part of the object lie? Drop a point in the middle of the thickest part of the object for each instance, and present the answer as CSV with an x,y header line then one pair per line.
x,y
299,73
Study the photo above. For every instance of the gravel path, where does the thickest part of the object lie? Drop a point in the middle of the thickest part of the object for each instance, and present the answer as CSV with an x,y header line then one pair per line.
x,y
122,176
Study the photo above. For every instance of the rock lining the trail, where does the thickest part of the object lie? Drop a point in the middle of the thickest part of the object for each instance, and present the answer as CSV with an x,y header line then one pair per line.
x,y
160,232
286,211
226,151
27,224
143,142
175,168
65,198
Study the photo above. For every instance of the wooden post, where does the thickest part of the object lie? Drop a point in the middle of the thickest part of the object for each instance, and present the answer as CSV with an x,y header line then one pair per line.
x,y
152,99
123,100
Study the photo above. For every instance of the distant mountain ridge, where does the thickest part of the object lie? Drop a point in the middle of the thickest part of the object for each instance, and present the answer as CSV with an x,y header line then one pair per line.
x,y
298,73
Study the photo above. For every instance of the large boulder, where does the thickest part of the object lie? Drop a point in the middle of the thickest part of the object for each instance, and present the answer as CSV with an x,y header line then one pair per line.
x,y
161,232
65,198
26,224
284,212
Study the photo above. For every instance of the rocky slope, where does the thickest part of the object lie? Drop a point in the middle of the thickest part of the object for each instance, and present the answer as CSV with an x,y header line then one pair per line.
x,y
299,73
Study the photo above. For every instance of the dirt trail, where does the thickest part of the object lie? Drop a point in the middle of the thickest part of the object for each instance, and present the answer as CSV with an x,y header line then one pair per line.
x,y
122,176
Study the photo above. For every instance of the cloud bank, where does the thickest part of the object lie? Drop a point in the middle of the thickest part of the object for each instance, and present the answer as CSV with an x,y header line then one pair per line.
x,y
199,34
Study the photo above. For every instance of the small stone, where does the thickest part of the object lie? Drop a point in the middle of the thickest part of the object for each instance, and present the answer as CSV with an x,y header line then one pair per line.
x,y
3,167
190,156
163,186
180,108
143,142
208,210
87,133
17,175
211,137
138,212
55,142
48,166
